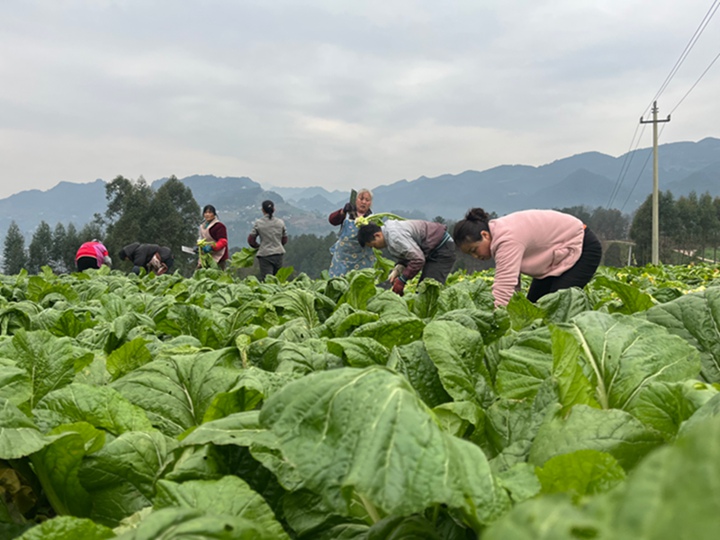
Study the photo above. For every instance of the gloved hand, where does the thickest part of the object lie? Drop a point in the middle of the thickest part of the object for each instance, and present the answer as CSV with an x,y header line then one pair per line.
x,y
207,248
399,287
348,208
399,269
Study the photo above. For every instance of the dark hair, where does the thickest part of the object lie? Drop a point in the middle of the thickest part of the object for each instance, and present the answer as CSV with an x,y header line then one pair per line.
x,y
122,254
209,207
269,207
470,229
366,233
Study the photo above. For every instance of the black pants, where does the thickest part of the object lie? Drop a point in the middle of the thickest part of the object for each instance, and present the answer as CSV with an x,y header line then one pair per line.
x,y
440,262
83,263
578,276
269,264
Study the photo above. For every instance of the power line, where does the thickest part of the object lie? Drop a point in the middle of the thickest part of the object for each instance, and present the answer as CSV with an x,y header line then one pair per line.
x,y
695,83
631,154
698,32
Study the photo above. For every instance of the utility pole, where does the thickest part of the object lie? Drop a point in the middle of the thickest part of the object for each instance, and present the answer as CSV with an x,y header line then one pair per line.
x,y
655,193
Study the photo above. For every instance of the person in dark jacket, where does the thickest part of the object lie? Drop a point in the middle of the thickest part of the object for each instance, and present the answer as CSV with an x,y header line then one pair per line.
x,y
151,257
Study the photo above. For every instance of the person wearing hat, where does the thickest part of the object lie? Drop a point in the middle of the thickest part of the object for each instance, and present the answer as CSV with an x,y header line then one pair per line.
x,y
273,236
152,257
92,254
214,233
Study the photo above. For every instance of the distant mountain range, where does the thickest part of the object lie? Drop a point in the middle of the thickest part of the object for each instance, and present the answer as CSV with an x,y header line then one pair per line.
x,y
591,179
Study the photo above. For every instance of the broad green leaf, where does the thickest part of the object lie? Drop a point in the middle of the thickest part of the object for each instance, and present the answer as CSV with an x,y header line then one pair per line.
x,y
229,496
525,365
665,406
50,361
263,353
523,313
360,290
175,393
458,354
403,528
413,362
56,466
511,425
520,481
127,357
67,528
606,430
310,517
204,324
184,523
574,387
580,473
461,418
19,437
392,332
358,351
624,354
296,304
674,492
72,322
240,429
633,299
709,410
388,305
121,477
695,318
546,518
563,305
14,383
365,433
99,406
426,302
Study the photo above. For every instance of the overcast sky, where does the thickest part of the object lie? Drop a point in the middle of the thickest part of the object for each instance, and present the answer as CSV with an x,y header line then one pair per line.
x,y
337,93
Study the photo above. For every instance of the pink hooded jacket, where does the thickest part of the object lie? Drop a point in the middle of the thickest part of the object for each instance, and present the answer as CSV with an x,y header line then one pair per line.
x,y
538,243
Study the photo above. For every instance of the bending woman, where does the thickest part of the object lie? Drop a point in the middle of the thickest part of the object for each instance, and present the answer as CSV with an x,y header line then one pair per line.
x,y
273,236
347,254
215,234
557,250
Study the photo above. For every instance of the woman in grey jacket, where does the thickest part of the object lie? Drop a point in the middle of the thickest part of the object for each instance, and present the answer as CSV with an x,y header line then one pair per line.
x,y
273,236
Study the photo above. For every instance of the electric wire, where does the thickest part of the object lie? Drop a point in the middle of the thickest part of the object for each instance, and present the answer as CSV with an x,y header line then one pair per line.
x,y
631,153
698,32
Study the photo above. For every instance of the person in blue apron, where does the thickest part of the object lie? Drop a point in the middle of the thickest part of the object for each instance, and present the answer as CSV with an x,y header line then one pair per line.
x,y
347,254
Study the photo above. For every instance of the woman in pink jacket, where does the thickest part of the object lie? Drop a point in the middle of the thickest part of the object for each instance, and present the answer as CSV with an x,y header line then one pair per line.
x,y
557,250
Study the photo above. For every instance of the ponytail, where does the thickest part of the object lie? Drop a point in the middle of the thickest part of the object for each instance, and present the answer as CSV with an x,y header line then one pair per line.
x,y
269,208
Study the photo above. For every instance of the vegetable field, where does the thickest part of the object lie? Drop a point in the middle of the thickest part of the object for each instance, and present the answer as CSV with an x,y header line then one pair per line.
x,y
164,407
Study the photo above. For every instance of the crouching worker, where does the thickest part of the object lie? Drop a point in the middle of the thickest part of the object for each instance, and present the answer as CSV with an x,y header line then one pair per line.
x,y
92,254
557,250
418,245
151,257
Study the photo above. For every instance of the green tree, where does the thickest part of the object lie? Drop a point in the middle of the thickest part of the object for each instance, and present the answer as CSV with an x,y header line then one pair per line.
x,y
641,229
136,213
174,216
309,254
70,247
40,250
609,224
14,256
57,260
